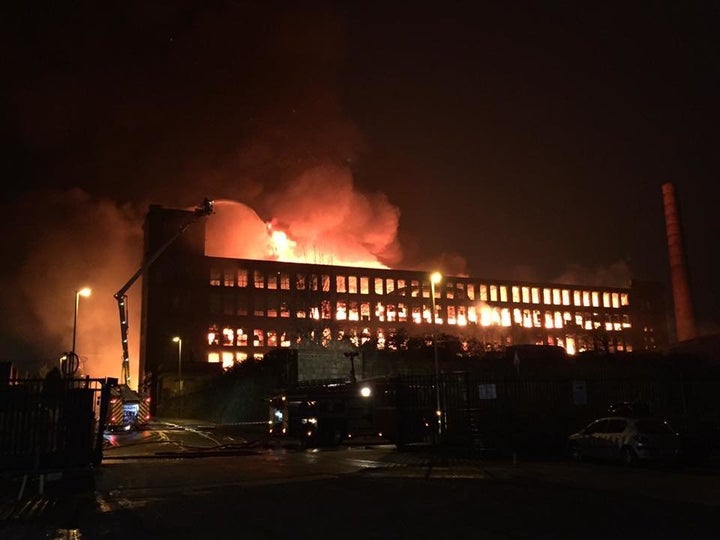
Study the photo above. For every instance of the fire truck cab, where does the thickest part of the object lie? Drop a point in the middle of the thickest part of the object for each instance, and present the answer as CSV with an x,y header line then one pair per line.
x,y
332,412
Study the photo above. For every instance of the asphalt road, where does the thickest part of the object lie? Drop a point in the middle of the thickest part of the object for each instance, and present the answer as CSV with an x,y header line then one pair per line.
x,y
368,492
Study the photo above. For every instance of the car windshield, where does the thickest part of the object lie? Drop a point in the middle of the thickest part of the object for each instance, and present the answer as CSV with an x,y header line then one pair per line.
x,y
653,426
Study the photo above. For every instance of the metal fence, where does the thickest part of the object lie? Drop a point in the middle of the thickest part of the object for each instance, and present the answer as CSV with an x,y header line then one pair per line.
x,y
52,424
508,414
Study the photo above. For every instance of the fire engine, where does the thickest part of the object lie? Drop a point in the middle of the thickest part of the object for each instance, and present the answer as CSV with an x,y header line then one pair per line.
x,y
331,412
130,409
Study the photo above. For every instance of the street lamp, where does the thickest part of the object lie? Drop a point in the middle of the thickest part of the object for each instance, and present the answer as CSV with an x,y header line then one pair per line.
x,y
435,278
178,340
85,291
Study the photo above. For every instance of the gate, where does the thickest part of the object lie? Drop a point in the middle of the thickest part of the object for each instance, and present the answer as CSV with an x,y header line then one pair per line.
x,y
52,424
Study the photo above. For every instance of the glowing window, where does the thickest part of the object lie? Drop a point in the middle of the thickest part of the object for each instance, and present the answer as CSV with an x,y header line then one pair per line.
x,y
213,358
364,285
242,277
415,288
547,296
624,299
365,311
558,319
325,309
526,295
378,282
241,338
606,299
325,281
284,310
354,314
389,285
258,279
493,293
401,285
471,291
576,299
460,291
517,316
391,313
556,297
586,298
565,297
228,335
228,277
505,317
516,294
258,338
285,281
615,300
549,321
272,306
380,312
461,316
402,312
215,277
228,359
449,291
503,293
352,285
300,282
535,294
595,299
272,340
341,311
213,335
313,282
483,293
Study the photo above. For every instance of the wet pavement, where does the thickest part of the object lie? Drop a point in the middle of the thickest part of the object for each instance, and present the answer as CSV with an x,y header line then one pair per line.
x,y
361,491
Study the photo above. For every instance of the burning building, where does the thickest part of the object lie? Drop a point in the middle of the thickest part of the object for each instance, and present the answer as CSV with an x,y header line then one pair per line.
x,y
229,310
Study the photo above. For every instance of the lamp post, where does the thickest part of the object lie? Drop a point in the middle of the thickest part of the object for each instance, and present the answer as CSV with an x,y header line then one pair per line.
x,y
435,278
178,340
85,291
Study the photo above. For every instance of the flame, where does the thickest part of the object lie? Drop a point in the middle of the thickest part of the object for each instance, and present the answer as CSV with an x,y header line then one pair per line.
x,y
236,231
280,245
317,218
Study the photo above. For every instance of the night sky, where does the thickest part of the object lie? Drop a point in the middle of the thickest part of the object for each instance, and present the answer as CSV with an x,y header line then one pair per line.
x,y
510,140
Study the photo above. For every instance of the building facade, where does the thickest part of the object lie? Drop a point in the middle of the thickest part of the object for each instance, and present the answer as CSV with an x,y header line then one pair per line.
x,y
228,310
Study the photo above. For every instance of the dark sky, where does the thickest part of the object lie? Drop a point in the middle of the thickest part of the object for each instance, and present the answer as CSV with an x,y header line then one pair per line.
x,y
516,140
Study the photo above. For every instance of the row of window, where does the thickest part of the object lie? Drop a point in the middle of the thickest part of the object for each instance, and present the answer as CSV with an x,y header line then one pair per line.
x,y
415,288
241,337
352,310
229,337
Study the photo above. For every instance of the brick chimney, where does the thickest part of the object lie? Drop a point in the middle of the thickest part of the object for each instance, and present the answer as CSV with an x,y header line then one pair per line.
x,y
682,299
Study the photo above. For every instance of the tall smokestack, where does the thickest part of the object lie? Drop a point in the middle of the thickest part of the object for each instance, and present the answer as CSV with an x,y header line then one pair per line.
x,y
684,317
